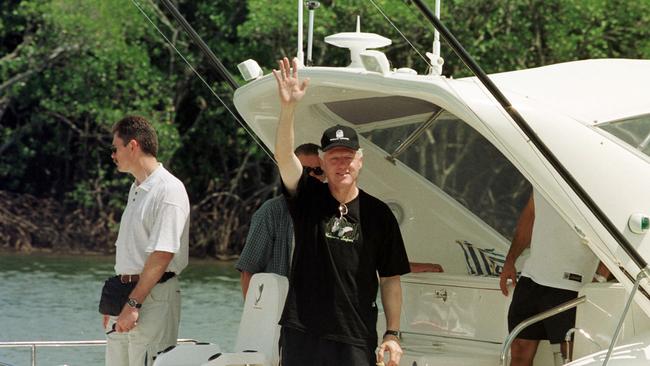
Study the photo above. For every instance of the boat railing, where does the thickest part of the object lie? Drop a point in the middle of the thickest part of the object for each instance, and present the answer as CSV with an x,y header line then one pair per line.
x,y
534,319
35,344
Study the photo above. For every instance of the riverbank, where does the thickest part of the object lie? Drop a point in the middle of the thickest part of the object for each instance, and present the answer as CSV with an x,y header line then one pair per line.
x,y
54,252
110,257
28,222
32,224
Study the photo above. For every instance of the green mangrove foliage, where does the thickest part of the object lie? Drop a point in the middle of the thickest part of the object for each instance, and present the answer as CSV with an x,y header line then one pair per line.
x,y
70,68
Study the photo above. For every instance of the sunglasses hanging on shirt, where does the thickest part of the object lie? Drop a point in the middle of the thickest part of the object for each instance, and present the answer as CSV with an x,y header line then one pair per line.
x,y
341,226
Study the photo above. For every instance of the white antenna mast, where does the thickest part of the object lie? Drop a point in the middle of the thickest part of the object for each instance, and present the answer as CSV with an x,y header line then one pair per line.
x,y
301,54
436,34
312,6
436,60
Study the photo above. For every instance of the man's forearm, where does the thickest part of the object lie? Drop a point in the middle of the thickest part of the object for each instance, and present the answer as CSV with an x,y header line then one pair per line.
x,y
391,298
244,281
288,163
284,139
523,233
154,268
516,248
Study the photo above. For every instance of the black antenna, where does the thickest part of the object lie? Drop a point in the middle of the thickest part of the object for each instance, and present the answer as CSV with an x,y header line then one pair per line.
x,y
212,58
528,131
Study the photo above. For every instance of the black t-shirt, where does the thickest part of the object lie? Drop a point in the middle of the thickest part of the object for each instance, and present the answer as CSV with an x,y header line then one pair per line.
x,y
333,282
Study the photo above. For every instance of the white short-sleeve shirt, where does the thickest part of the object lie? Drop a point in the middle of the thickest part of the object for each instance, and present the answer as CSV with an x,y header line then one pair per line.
x,y
558,258
156,218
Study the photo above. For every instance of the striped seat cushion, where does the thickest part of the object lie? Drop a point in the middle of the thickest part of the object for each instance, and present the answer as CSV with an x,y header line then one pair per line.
x,y
482,262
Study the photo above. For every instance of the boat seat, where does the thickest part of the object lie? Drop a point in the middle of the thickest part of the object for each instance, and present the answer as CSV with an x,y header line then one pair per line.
x,y
258,334
186,354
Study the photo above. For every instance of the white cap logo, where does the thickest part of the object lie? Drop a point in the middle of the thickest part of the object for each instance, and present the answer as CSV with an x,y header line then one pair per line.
x,y
339,136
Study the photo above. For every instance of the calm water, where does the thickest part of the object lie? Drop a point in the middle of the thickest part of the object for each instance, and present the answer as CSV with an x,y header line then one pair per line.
x,y
48,298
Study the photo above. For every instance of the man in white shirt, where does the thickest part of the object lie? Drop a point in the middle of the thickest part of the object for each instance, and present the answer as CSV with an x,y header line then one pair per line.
x,y
558,266
151,248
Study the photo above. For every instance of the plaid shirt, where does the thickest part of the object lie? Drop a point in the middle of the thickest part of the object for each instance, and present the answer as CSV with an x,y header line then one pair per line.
x,y
269,241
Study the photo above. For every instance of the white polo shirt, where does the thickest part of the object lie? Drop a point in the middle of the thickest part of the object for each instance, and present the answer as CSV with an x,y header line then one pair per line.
x,y
156,218
558,258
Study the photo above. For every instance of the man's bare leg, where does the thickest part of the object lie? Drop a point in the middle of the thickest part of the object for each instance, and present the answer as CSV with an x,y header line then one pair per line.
x,y
522,352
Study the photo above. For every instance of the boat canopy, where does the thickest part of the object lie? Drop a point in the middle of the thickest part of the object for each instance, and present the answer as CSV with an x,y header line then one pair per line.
x,y
590,91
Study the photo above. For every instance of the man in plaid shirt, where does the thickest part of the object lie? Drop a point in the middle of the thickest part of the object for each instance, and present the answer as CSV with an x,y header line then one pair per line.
x,y
269,243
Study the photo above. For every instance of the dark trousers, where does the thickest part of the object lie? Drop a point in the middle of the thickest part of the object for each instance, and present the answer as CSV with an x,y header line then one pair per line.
x,y
301,349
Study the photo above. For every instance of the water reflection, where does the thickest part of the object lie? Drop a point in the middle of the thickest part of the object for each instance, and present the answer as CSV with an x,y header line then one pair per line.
x,y
45,297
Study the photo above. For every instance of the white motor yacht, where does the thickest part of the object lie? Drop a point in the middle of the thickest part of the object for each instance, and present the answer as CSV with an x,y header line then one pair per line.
x,y
454,166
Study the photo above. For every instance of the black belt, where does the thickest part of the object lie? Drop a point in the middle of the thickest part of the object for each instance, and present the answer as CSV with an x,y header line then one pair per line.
x,y
125,278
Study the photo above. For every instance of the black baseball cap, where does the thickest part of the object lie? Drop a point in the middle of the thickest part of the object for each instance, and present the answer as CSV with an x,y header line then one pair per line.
x,y
339,136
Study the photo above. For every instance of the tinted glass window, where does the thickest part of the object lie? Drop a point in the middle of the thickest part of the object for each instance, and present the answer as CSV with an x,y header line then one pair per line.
x,y
368,110
635,132
456,158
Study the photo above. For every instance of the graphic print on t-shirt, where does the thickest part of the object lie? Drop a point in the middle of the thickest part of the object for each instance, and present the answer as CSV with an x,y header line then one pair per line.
x,y
341,229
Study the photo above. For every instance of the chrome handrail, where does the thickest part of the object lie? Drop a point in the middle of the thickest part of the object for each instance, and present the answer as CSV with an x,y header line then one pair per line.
x,y
643,274
534,319
567,342
34,344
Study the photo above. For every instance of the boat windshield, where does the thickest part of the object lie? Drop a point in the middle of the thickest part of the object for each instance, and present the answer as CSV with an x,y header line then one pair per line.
x,y
451,155
635,132
361,111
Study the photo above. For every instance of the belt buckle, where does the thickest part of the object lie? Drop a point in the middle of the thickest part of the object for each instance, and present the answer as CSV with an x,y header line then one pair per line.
x,y
123,277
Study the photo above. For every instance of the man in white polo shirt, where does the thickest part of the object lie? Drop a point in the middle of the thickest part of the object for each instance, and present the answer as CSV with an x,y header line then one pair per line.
x,y
558,266
151,248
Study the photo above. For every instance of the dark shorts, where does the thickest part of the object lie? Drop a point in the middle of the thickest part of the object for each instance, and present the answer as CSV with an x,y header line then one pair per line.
x,y
300,349
531,299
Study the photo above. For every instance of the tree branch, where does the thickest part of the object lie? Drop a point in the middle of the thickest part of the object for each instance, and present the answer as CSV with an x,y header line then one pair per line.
x,y
67,121
47,62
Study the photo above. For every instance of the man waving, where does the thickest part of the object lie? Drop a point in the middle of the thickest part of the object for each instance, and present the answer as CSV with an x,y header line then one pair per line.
x,y
345,240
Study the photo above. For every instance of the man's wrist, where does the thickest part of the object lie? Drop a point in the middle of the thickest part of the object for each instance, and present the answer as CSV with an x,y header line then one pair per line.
x,y
133,303
390,333
288,108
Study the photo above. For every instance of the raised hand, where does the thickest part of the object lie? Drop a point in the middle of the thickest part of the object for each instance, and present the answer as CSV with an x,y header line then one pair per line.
x,y
290,89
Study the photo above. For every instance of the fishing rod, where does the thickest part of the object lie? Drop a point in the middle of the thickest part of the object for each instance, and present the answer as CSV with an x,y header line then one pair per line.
x,y
212,58
534,138
214,62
